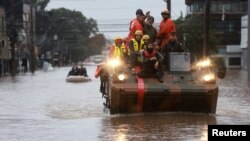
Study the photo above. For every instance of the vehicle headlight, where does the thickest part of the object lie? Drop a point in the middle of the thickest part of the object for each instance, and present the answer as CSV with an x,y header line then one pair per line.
x,y
121,77
203,63
114,62
209,78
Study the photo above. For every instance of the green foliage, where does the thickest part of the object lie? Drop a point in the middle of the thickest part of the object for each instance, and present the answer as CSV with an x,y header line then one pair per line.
x,y
95,43
193,29
73,31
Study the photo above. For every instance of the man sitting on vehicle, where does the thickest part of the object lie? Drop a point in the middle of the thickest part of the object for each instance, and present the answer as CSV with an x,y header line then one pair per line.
x,y
172,46
151,60
146,40
135,46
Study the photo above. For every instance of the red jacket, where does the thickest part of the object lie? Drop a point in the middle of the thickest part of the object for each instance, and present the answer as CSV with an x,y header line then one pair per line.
x,y
134,25
166,27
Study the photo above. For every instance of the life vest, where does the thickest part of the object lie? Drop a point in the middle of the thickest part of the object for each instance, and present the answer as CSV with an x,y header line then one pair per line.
x,y
136,46
149,55
117,52
126,48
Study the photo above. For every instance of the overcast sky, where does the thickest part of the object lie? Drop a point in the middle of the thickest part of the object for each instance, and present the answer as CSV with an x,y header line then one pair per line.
x,y
118,11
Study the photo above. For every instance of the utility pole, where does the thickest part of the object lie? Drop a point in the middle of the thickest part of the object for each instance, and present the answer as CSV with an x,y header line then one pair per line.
x,y
13,38
33,56
168,3
248,43
206,27
169,7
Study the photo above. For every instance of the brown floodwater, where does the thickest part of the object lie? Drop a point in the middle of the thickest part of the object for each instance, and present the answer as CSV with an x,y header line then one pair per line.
x,y
45,107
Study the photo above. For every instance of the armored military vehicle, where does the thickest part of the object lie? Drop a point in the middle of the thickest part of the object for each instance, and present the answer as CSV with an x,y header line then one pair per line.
x,y
186,88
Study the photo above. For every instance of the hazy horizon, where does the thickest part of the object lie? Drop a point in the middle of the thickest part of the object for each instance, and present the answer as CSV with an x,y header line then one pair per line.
x,y
113,16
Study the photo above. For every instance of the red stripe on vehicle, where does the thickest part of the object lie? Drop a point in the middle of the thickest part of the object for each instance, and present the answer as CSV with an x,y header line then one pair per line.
x,y
140,91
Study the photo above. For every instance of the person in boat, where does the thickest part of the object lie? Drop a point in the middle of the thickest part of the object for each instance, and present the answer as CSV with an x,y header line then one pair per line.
x,y
119,50
166,26
74,70
151,60
172,46
83,71
135,47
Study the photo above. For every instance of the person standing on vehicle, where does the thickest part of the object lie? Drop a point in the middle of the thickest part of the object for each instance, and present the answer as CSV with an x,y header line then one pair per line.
x,y
166,26
136,24
149,29
151,63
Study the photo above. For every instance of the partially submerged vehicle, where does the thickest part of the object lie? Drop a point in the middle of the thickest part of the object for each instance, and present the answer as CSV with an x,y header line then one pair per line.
x,y
187,88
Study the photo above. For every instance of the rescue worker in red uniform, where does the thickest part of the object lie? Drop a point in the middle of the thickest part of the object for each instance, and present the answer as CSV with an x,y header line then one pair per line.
x,y
151,63
135,47
166,26
136,24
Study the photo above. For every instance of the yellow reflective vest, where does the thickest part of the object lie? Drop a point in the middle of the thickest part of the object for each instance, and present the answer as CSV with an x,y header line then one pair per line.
x,y
136,46
118,52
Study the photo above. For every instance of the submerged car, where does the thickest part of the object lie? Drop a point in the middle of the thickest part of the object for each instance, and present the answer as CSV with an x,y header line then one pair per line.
x,y
186,88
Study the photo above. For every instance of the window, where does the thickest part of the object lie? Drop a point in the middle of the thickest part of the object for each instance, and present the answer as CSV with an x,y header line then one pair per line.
x,y
197,7
234,61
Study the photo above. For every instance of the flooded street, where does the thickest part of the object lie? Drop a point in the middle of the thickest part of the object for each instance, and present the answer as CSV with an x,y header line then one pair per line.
x,y
45,107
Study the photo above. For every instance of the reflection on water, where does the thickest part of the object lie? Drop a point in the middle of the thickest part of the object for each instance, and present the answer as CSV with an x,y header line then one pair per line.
x,y
169,126
45,107
234,98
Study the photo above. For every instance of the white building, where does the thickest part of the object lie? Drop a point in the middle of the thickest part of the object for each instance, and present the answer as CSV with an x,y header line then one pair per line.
x,y
233,56
244,42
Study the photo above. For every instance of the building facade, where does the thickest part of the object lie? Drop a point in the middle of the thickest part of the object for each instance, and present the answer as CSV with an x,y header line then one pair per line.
x,y
225,18
244,41
4,51
20,27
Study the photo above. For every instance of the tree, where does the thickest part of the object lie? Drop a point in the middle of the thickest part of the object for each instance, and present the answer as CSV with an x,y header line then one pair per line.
x,y
192,27
96,44
72,29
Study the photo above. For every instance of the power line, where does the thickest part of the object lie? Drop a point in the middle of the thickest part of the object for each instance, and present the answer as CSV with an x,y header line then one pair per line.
x,y
110,31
